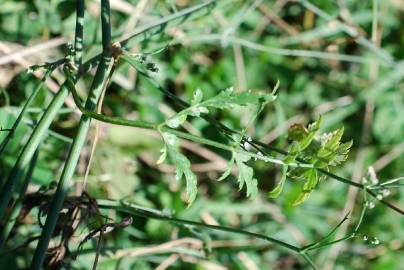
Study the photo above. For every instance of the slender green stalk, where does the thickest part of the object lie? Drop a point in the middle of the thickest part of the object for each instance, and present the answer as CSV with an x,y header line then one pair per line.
x,y
79,38
126,207
307,258
132,209
7,190
18,204
78,142
144,32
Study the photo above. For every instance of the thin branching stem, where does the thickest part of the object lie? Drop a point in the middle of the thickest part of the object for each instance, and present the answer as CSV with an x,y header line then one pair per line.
x,y
259,145
180,134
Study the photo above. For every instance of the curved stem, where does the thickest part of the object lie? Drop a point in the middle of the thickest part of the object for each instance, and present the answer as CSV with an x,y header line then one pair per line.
x,y
180,134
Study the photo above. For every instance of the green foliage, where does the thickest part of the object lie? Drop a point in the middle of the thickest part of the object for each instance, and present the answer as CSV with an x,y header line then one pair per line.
x,y
321,150
181,162
226,99
246,174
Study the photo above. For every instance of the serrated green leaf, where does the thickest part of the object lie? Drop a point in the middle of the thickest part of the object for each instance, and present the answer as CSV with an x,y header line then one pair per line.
x,y
182,165
245,175
341,154
329,143
229,167
227,99
311,182
278,189
320,150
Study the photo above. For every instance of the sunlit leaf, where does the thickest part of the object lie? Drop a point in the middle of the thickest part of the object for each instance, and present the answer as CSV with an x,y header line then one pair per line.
x,y
278,189
320,150
226,99
311,182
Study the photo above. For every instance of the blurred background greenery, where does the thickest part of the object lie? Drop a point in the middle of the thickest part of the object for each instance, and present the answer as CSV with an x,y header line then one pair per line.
x,y
339,59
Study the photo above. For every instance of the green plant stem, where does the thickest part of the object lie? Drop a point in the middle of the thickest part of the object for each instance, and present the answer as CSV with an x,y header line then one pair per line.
x,y
40,130
180,134
79,38
131,209
105,28
144,32
95,91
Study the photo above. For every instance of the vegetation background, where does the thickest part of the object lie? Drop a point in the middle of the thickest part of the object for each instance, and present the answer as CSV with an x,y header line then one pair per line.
x,y
339,59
